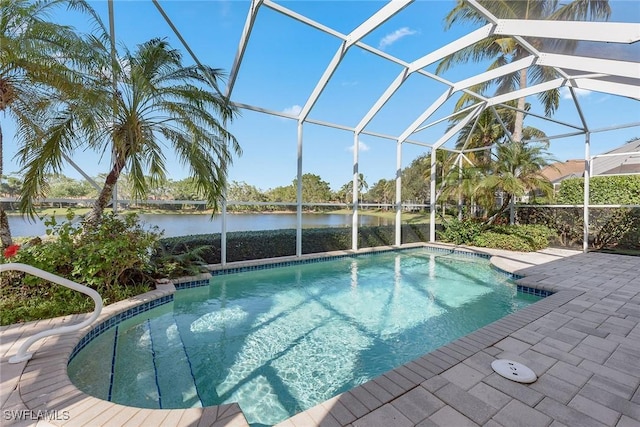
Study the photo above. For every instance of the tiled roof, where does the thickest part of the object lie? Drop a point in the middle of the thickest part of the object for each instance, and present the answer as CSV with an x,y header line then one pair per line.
x,y
561,170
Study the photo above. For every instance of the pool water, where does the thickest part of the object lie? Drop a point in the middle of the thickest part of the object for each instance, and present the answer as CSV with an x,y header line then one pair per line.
x,y
281,340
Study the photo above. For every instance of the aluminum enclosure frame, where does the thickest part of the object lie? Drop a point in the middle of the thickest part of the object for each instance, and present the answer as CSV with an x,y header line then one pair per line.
x,y
616,77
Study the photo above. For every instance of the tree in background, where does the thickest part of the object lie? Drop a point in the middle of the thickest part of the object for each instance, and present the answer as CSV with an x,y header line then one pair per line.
x,y
63,187
504,50
38,62
286,193
157,100
515,172
314,189
383,191
346,191
243,192
485,134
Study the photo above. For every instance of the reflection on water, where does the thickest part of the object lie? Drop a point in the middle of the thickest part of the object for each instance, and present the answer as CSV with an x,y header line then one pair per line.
x,y
182,225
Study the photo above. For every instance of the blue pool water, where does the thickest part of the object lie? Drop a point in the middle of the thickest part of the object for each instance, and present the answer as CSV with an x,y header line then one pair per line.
x,y
281,340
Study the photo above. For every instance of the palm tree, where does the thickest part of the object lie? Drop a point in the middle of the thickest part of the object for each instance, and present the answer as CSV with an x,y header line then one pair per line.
x,y
157,100
37,60
503,50
487,130
462,183
346,190
516,171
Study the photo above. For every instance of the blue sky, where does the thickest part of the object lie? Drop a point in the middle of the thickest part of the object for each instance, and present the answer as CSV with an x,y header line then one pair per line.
x,y
285,59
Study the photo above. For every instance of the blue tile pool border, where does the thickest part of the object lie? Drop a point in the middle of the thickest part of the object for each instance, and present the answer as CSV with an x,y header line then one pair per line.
x,y
533,291
117,319
233,270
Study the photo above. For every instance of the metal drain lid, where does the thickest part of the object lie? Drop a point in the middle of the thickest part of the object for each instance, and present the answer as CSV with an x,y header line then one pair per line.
x,y
514,371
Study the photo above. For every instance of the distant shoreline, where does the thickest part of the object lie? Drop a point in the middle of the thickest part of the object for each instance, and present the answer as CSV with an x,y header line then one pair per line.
x,y
389,214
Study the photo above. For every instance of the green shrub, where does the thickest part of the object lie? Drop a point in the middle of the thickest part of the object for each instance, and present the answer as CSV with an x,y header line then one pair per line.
x,y
462,232
603,190
111,258
524,238
567,223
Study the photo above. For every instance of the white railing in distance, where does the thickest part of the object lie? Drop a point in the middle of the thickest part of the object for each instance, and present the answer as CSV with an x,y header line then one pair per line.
x,y
22,353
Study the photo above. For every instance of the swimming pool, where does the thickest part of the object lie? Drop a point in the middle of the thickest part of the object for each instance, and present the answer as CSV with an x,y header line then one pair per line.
x,y
281,340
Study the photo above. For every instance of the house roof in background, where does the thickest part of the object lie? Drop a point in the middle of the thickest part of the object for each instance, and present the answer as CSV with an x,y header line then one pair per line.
x,y
558,171
624,160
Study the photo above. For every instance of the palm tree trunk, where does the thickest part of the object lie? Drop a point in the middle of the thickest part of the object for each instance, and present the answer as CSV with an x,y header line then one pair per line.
x,y
95,216
5,231
519,120
505,205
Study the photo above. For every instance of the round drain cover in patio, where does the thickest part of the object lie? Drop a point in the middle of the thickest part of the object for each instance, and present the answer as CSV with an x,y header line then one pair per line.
x,y
514,371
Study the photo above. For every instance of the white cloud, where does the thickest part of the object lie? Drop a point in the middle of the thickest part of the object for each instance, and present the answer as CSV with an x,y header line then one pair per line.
x,y
361,147
565,93
293,110
391,38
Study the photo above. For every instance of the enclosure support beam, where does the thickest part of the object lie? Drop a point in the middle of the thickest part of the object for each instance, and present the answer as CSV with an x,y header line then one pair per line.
x,y
223,232
398,193
355,192
299,194
587,176
242,46
460,157
432,197
114,84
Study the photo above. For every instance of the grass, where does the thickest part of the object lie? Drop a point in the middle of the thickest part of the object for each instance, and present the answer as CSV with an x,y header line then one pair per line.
x,y
407,217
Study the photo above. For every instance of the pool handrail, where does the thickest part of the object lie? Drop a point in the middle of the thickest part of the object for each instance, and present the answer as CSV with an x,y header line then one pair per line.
x,y
22,354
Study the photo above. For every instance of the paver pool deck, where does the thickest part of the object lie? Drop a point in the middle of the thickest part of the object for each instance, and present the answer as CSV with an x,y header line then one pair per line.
x,y
583,342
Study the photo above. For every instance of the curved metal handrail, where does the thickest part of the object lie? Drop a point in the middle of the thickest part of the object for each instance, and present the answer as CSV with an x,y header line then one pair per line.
x,y
22,354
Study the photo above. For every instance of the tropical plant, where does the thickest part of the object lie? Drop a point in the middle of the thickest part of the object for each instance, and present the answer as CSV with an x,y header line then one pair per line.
x,y
489,128
462,185
156,100
515,172
38,62
112,258
382,191
346,191
503,50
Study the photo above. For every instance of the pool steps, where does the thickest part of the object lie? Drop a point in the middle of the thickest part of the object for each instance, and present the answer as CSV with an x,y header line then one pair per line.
x,y
160,335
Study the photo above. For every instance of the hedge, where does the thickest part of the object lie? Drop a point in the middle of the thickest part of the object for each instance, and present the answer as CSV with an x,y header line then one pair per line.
x,y
250,245
609,227
525,238
603,190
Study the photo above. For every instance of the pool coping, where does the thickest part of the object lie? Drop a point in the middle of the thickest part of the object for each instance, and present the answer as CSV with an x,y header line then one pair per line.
x,y
44,384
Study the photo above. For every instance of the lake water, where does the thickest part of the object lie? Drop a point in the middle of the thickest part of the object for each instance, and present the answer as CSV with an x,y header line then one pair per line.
x,y
183,225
